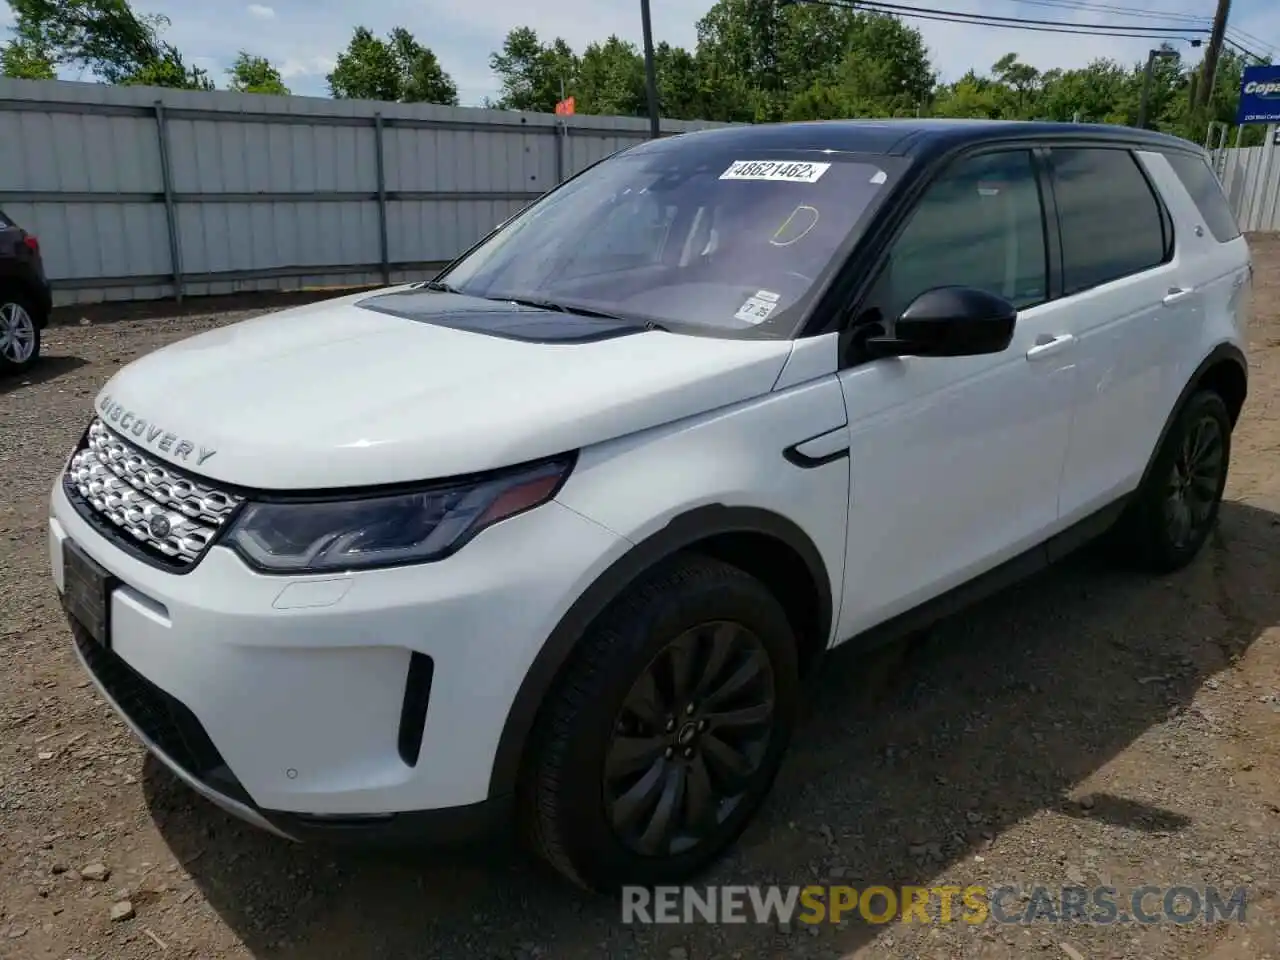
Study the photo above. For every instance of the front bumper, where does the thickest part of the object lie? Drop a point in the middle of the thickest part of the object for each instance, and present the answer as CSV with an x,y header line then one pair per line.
x,y
280,699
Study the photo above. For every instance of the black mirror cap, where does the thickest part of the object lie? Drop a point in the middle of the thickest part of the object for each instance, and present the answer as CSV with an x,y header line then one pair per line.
x,y
951,322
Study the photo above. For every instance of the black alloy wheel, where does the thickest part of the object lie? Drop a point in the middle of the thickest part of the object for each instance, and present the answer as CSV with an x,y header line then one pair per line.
x,y
666,729
1195,481
1172,514
692,734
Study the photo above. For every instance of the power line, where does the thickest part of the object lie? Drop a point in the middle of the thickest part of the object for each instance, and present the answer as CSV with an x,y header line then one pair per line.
x,y
1107,8
1134,31
1240,48
1251,39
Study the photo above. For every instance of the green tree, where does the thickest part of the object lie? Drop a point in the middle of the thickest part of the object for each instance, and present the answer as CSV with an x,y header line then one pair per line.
x,y
26,61
168,70
680,93
532,74
106,36
1024,82
764,62
398,69
422,79
253,74
611,80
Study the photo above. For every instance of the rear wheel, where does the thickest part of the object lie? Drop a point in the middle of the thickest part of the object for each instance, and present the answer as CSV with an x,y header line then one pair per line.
x,y
19,333
665,735
1175,509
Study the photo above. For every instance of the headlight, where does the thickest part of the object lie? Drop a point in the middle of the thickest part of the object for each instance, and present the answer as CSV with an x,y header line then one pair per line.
x,y
386,530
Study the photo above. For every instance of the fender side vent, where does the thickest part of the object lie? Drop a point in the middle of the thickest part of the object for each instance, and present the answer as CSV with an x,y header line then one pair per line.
x,y
413,714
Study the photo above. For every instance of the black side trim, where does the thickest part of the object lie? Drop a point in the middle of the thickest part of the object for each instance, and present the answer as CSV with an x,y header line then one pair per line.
x,y
1222,352
994,581
794,457
413,713
681,532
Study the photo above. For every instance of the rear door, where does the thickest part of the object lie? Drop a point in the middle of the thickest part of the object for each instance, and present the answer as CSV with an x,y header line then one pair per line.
x,y
1126,294
1218,254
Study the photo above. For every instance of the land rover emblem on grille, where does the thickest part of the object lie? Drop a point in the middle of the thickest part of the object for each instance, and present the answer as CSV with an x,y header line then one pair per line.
x,y
159,527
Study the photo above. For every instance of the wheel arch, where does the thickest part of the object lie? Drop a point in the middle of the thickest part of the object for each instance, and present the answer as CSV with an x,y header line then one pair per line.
x,y
1225,371
13,277
761,542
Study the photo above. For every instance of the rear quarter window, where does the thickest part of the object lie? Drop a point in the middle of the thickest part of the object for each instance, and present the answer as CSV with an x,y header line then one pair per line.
x,y
1202,183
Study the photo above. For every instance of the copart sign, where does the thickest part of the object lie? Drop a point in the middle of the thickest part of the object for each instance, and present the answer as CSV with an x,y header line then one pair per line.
x,y
1259,95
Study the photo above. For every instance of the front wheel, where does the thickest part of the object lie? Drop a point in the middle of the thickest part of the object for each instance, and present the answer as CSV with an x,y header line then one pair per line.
x,y
1177,506
663,738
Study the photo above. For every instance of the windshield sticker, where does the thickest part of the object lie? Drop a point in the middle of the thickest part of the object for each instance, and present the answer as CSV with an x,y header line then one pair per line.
x,y
758,307
796,227
879,177
779,171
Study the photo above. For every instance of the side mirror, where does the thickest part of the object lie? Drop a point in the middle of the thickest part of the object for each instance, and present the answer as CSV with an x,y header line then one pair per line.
x,y
949,322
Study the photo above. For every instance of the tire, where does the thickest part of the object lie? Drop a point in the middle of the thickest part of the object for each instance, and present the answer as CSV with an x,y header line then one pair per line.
x,y
578,778
19,332
1174,511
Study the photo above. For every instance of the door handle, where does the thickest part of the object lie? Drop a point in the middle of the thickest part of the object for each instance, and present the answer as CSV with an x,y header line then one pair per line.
x,y
1239,282
1176,295
1047,347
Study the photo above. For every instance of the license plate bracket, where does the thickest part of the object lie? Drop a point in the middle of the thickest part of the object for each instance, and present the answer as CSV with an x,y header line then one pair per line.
x,y
86,594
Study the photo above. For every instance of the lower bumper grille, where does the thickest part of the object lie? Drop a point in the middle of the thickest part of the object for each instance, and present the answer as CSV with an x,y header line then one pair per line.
x,y
160,718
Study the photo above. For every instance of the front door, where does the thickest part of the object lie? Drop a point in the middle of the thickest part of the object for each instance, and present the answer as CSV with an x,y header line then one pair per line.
x,y
955,462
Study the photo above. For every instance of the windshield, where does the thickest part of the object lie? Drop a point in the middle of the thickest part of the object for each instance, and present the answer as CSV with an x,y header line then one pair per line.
x,y
683,238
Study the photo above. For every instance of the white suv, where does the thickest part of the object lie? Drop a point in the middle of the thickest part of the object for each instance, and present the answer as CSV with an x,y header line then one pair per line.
x,y
555,539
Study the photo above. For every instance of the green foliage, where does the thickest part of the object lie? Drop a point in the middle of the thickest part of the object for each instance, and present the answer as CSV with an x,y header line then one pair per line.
x,y
252,74
532,74
762,60
26,61
168,70
398,69
106,36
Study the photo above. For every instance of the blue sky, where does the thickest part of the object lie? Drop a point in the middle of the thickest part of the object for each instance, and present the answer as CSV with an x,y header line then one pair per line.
x,y
302,37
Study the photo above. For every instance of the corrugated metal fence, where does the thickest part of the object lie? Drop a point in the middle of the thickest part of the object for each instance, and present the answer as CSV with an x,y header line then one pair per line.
x,y
1251,178
137,193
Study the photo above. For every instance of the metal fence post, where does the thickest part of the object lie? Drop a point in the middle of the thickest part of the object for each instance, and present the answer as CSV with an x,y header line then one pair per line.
x,y
562,141
170,207
382,199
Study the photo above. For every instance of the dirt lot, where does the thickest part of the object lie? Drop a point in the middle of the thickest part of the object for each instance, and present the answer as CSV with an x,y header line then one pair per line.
x,y
1089,728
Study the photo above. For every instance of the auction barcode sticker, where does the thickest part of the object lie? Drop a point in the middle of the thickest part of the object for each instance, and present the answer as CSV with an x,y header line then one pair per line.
x,y
783,171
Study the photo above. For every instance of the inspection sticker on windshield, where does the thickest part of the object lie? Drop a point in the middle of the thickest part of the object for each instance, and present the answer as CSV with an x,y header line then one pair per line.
x,y
776,170
758,307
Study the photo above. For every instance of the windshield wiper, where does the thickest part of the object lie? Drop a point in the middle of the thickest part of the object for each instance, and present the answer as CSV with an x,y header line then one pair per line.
x,y
555,307
439,286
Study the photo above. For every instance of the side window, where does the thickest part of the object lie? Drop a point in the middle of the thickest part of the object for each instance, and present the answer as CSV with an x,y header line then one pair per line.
x,y
1202,183
979,225
1112,223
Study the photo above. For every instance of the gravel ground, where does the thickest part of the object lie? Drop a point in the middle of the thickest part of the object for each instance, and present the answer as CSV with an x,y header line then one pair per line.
x,y
1090,727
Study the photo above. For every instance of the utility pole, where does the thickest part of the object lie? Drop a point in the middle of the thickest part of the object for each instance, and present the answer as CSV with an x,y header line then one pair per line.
x,y
650,71
1209,68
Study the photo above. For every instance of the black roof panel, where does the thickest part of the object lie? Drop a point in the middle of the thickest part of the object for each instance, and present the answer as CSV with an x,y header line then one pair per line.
x,y
907,137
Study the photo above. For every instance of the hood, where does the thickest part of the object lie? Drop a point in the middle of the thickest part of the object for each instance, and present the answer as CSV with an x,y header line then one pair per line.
x,y
410,385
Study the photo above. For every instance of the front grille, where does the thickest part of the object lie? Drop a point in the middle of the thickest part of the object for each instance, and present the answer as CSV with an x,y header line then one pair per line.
x,y
160,718
172,515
